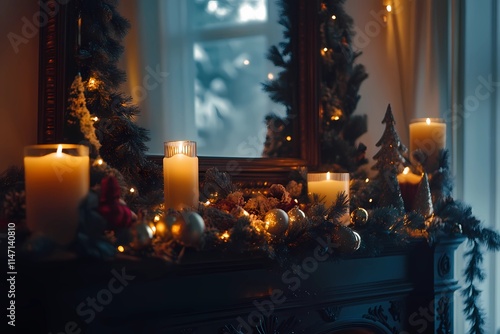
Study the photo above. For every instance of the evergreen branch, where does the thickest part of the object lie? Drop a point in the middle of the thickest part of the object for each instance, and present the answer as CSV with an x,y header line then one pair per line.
x,y
339,208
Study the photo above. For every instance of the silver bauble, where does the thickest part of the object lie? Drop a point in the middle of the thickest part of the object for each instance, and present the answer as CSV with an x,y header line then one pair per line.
x,y
141,235
358,240
190,234
295,215
359,216
276,221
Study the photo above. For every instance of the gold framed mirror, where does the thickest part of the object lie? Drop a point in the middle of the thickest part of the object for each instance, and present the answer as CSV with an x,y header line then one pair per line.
x,y
57,68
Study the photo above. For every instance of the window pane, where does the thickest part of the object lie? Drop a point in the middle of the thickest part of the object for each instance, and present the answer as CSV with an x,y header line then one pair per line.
x,y
212,12
230,105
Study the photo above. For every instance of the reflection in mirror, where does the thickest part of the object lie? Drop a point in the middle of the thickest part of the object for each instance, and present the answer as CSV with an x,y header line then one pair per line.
x,y
196,68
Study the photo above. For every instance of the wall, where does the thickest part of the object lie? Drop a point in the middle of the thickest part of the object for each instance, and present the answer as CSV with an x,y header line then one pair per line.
x,y
374,38
19,82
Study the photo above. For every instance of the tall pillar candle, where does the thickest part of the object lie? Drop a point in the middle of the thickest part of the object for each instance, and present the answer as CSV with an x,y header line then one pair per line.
x,y
57,179
429,136
329,185
180,174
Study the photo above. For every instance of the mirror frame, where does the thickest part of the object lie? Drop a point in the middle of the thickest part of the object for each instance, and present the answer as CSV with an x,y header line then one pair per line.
x,y
57,69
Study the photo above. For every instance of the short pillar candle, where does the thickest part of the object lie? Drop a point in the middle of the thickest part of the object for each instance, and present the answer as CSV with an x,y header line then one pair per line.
x,y
408,183
180,175
429,136
329,185
57,179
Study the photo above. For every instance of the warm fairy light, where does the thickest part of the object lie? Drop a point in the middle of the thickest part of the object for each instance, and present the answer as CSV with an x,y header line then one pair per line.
x,y
100,161
176,228
288,138
160,228
92,83
335,118
132,190
388,8
325,49
246,62
367,180
428,121
406,170
207,203
370,200
59,151
334,17
121,249
152,227
224,236
270,76
95,118
156,218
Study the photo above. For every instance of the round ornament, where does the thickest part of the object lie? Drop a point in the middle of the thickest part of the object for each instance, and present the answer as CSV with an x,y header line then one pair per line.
x,y
295,215
359,216
457,228
175,223
345,238
276,221
358,240
141,235
193,229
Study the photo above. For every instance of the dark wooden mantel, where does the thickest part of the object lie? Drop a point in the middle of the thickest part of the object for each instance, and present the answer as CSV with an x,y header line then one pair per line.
x,y
408,290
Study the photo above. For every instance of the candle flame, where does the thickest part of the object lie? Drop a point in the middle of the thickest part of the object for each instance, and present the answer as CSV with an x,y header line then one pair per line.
x,y
59,151
328,175
406,170
428,121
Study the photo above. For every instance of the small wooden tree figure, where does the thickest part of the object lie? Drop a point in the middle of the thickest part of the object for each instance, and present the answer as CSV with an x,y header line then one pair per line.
x,y
389,161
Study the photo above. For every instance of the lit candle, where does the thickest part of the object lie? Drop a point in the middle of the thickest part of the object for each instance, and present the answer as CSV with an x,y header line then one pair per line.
x,y
180,174
56,181
408,183
429,136
329,185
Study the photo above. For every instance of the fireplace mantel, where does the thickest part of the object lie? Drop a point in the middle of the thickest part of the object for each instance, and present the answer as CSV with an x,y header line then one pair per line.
x,y
402,290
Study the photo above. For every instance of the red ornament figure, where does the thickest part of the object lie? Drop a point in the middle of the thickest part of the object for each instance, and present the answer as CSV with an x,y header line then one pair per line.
x,y
112,207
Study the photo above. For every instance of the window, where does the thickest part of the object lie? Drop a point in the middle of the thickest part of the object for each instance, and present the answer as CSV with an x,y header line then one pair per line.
x,y
214,52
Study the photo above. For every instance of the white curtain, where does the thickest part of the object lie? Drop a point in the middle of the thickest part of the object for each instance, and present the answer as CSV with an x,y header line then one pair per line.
x,y
447,50
158,77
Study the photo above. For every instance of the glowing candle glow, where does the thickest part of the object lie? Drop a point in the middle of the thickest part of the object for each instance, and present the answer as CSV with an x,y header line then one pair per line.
x,y
329,185
57,180
429,136
408,183
180,173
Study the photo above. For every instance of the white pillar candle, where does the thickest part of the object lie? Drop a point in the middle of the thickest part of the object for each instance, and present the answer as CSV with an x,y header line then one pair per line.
x,y
429,136
57,179
329,185
180,174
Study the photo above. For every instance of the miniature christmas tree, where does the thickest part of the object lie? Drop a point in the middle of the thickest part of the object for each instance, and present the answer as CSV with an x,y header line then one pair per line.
x,y
389,161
